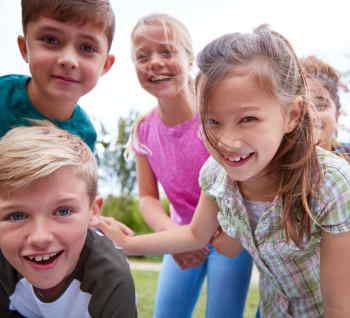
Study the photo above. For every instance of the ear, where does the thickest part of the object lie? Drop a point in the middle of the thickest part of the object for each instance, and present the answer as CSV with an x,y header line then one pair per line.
x,y
95,209
294,113
108,63
22,45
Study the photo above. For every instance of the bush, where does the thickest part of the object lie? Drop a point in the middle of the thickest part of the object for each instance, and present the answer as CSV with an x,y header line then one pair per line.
x,y
125,210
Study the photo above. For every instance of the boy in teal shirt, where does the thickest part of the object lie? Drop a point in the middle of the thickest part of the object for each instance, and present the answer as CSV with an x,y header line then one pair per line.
x,y
66,44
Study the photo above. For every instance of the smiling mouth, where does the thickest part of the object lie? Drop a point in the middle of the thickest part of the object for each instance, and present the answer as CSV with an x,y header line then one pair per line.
x,y
237,160
65,79
43,259
160,78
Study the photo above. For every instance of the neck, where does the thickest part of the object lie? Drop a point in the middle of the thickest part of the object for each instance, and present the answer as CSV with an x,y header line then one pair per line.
x,y
261,188
177,110
327,144
49,107
50,294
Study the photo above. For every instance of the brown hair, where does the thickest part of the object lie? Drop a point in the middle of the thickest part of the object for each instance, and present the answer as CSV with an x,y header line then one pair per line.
x,y
97,12
328,77
274,65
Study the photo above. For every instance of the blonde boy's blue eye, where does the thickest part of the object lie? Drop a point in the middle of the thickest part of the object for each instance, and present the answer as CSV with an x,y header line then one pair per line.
x,y
64,211
16,216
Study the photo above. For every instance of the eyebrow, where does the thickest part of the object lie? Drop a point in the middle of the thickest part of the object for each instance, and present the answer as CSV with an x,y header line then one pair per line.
x,y
49,28
19,206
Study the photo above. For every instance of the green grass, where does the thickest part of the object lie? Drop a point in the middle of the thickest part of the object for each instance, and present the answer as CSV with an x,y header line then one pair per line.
x,y
146,283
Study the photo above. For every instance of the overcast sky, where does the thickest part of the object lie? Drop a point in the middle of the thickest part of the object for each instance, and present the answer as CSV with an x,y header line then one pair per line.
x,y
313,27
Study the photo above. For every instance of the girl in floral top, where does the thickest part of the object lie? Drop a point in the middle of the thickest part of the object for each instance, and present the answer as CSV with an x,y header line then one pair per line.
x,y
285,200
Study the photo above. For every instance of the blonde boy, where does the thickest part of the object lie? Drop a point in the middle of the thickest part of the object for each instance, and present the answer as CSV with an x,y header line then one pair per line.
x,y
66,44
52,265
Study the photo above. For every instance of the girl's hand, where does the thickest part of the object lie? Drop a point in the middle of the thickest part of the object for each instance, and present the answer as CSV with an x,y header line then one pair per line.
x,y
114,230
224,244
191,259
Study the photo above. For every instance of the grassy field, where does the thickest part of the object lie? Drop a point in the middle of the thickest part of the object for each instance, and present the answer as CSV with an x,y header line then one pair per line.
x,y
146,282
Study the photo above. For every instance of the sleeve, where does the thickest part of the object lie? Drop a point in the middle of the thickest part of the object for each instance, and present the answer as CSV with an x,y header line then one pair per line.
x,y
208,176
121,303
4,306
335,216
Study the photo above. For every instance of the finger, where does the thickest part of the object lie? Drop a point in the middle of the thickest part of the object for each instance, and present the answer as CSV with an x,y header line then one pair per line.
x,y
128,231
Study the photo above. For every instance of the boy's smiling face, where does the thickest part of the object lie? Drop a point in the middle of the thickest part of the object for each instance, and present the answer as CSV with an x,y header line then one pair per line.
x,y
65,59
43,228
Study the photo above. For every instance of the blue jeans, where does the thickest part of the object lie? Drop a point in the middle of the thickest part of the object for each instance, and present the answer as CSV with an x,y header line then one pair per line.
x,y
228,282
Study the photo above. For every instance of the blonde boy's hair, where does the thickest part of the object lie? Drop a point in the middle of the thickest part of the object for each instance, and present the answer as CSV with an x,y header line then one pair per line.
x,y
97,12
32,152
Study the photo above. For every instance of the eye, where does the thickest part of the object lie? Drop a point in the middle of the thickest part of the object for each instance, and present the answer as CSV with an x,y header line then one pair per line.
x,y
141,57
88,48
50,40
166,53
64,211
248,119
15,216
211,122
321,106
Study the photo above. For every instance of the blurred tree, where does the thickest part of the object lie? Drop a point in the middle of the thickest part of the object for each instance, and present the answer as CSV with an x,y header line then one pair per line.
x,y
117,174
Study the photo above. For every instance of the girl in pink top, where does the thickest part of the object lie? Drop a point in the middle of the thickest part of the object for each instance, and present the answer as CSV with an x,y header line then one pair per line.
x,y
169,152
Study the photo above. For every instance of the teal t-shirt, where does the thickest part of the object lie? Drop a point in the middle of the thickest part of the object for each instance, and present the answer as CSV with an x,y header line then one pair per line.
x,y
16,108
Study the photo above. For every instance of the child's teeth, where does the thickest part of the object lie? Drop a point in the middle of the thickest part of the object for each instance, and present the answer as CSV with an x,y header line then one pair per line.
x,y
236,159
41,258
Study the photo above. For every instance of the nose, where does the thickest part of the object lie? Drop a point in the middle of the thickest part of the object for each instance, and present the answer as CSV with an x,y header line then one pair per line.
x,y
68,58
230,139
156,61
40,235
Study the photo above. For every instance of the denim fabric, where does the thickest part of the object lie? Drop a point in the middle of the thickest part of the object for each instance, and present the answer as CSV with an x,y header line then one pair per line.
x,y
228,282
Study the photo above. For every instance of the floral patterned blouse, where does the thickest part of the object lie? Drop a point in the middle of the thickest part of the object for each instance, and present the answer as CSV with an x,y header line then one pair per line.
x,y
289,275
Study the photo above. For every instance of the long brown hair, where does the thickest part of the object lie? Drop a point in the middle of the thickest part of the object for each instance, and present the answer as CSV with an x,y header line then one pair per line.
x,y
276,68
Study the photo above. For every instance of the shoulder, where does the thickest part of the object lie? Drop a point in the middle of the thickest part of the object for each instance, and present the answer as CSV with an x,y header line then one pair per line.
x,y
212,176
10,87
146,121
81,125
333,198
104,273
99,249
13,80
9,277
334,168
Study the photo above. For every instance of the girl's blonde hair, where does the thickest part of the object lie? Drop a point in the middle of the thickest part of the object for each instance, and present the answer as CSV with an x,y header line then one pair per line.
x,y
32,152
172,27
276,69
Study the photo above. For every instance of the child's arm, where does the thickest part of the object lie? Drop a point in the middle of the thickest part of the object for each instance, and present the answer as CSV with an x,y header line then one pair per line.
x,y
335,274
154,214
151,207
185,238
